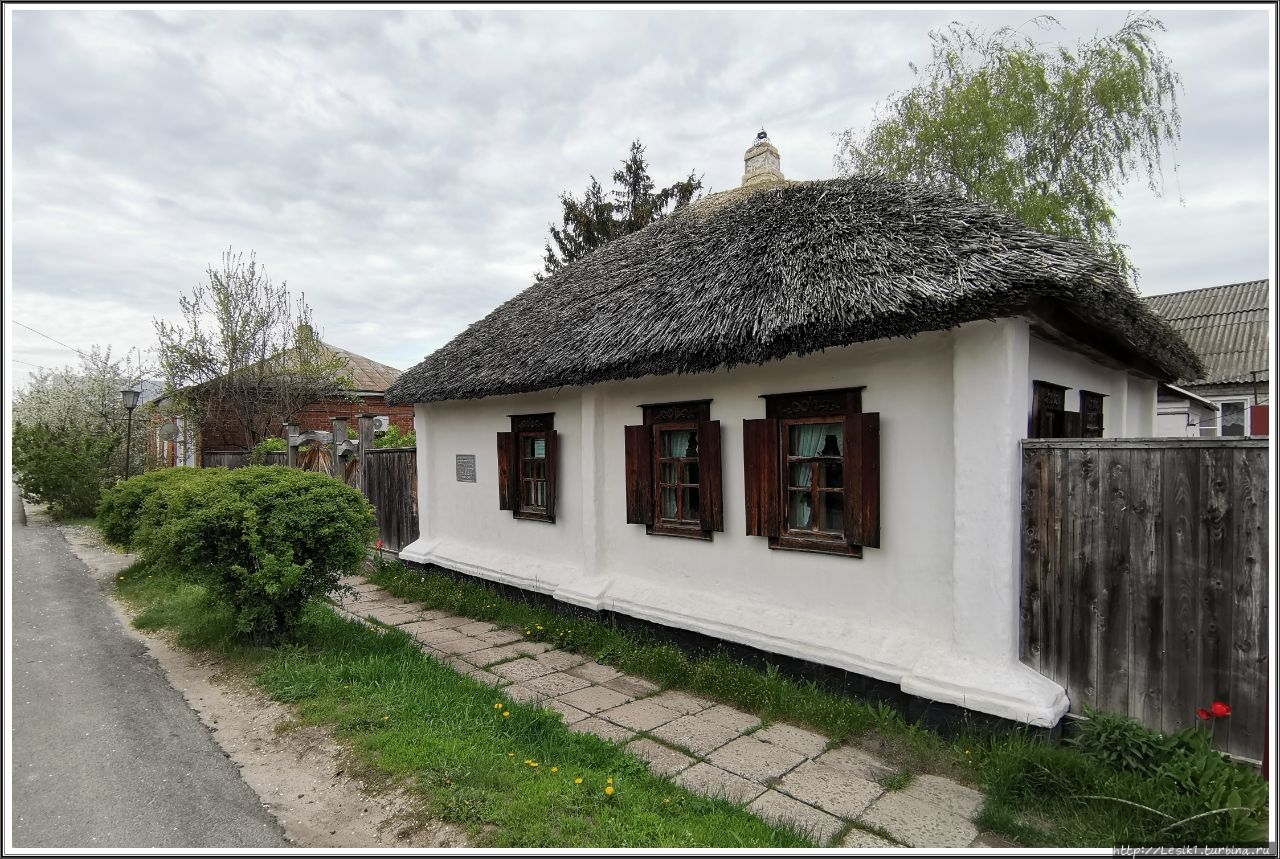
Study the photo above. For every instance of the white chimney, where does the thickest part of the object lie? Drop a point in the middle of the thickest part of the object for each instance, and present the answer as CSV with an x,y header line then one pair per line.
x,y
763,163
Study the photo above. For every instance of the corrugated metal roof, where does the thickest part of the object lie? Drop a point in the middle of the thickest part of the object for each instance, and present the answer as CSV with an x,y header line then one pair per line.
x,y
369,375
1225,325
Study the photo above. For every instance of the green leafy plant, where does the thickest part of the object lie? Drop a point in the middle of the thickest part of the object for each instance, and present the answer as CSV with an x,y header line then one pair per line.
x,y
263,539
64,468
118,512
274,444
393,437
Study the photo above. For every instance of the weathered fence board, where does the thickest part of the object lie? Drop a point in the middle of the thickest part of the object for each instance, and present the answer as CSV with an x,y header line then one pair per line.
x,y
1144,578
224,459
390,483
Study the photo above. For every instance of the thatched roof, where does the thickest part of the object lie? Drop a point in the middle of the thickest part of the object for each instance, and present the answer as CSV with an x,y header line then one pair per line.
x,y
756,274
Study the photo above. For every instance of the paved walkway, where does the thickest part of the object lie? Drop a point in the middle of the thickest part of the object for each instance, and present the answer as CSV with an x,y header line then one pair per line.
x,y
781,772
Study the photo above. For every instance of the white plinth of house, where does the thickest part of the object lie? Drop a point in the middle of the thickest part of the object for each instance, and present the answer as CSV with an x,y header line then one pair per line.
x,y
916,582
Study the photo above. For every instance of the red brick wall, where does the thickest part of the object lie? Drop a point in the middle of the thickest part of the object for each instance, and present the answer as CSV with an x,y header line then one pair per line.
x,y
316,416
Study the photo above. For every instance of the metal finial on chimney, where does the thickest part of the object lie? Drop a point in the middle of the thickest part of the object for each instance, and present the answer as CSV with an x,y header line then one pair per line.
x,y
762,161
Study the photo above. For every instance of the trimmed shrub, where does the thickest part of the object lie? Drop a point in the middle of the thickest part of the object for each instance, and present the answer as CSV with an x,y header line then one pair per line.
x,y
121,505
264,539
64,469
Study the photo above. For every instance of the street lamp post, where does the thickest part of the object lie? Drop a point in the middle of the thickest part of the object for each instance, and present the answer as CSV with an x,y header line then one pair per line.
x,y
130,398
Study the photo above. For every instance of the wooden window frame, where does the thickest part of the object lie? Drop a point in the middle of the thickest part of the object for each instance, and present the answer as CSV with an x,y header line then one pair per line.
x,y
768,495
644,470
511,460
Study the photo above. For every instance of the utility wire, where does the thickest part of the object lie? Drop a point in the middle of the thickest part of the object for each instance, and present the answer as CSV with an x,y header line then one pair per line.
x,y
59,342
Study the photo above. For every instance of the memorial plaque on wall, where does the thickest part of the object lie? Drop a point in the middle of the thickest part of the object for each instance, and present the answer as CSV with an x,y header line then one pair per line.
x,y
466,465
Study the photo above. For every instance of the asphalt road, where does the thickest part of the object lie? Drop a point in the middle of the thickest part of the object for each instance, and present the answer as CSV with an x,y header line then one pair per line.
x,y
106,754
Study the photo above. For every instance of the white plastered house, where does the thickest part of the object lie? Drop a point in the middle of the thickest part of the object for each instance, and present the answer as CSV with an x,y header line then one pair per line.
x,y
788,416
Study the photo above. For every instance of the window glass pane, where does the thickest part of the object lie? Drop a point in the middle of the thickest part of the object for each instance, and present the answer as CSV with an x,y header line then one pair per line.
x,y
800,475
690,503
815,439
833,475
667,501
832,511
675,443
690,473
540,447
799,510
1233,415
667,473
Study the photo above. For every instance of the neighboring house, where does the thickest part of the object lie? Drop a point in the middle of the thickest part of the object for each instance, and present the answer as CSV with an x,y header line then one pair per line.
x,y
178,443
788,416
1227,327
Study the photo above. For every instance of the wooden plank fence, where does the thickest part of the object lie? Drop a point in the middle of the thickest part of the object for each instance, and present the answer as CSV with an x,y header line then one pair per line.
x,y
1144,578
390,482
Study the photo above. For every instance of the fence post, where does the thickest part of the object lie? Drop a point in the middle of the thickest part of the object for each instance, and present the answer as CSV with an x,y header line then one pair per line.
x,y
339,428
366,444
291,436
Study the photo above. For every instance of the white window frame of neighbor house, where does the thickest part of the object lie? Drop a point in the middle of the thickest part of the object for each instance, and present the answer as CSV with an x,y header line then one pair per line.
x,y
1231,407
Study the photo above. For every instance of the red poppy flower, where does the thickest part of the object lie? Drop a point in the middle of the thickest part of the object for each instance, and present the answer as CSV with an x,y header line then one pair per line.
x,y
1203,715
1220,709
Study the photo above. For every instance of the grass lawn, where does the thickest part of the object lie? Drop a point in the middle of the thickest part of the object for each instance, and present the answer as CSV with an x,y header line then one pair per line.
x,y
512,775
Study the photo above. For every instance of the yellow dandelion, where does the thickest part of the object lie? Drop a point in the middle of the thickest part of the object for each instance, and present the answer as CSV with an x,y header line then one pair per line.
x,y
577,781
384,718
511,754
609,780
506,713
533,763
497,705
666,801
536,627
555,769
608,791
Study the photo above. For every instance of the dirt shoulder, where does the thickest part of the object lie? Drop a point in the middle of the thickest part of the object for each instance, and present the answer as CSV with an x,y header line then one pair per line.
x,y
303,775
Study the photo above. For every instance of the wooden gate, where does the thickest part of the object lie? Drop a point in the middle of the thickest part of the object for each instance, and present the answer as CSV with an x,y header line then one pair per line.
x,y
390,482
1144,578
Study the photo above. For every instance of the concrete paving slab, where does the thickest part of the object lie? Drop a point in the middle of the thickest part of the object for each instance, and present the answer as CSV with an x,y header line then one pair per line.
x,y
593,699
556,684
436,637
945,794
682,702
446,620
833,790
490,655
661,760
461,645
602,729
419,626
522,669
707,780
640,715
807,743
441,614
636,687
864,840
477,627
730,718
755,759
918,824
695,734
570,713
532,648
486,678
499,636
523,694
595,672
855,762
780,810
560,660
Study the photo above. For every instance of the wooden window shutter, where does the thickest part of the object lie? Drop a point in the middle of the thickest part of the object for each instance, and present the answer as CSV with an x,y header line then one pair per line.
x,y
711,510
508,476
1071,426
639,461
553,465
862,479
760,468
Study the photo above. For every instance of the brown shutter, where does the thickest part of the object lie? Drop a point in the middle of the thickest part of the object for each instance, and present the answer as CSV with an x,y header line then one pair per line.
x,y
711,508
639,462
553,465
1071,427
760,468
862,479
508,479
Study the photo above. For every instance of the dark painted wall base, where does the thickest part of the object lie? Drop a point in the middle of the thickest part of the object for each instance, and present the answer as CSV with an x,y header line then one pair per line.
x,y
946,719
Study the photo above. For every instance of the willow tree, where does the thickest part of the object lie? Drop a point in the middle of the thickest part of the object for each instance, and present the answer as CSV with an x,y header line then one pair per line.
x,y
245,353
1049,134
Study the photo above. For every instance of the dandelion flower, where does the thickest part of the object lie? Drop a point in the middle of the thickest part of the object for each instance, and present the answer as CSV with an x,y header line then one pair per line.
x,y
498,705
384,718
536,627
609,780
577,781
506,713
666,801
608,791
555,769
511,754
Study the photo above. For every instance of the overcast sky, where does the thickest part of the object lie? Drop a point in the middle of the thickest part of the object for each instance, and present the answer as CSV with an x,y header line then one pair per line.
x,y
400,167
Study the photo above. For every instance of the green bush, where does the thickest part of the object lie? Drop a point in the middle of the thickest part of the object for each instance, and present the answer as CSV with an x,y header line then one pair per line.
x,y
393,437
64,469
121,505
264,539
258,453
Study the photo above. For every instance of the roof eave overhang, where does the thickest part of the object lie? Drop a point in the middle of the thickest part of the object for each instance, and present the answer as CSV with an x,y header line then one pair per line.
x,y
1054,322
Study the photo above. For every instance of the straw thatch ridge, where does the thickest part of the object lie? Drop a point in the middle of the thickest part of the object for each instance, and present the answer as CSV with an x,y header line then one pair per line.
x,y
757,274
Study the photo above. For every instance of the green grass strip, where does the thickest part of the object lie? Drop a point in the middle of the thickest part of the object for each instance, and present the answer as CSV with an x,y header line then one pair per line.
x,y
510,774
